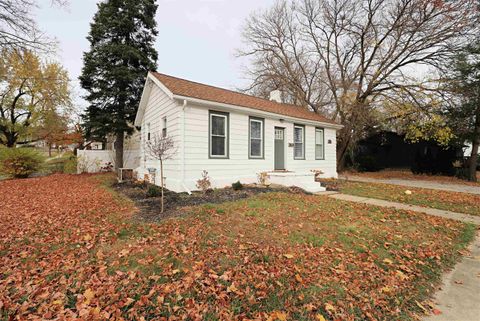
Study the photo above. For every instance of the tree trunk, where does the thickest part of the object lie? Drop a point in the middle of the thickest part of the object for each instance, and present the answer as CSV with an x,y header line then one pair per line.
x,y
472,171
119,149
11,140
161,182
342,150
49,150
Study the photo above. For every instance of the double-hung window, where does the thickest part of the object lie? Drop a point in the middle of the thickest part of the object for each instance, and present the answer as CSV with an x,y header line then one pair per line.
x,y
319,143
218,133
299,142
256,130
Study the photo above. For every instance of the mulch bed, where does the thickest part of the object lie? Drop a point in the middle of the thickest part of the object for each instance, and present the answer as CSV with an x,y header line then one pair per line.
x,y
177,203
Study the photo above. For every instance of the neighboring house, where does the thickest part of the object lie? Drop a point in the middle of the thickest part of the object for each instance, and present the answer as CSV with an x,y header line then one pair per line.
x,y
233,136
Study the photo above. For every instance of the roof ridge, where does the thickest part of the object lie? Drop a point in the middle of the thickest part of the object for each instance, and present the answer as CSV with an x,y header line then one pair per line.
x,y
232,91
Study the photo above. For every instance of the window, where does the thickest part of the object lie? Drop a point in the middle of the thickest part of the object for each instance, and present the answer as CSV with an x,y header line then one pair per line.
x,y
279,133
164,127
256,138
299,142
218,135
319,143
148,131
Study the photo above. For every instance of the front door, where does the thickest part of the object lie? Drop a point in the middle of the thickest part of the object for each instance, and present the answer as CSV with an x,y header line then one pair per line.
x,y
279,148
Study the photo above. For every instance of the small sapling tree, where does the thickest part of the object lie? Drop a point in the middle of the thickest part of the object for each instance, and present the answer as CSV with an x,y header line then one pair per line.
x,y
161,148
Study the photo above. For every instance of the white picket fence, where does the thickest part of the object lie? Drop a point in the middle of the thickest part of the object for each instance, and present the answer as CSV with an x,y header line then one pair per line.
x,y
92,161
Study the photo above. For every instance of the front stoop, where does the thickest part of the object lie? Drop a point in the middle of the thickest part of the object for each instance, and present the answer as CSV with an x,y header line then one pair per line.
x,y
305,181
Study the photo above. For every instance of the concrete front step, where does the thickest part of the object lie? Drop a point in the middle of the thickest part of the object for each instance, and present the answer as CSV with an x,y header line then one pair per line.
x,y
312,187
305,181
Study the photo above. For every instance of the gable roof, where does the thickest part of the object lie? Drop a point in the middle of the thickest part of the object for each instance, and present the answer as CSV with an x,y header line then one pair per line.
x,y
187,88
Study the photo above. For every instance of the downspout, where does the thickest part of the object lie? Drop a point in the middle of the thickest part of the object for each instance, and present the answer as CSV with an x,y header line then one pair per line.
x,y
182,165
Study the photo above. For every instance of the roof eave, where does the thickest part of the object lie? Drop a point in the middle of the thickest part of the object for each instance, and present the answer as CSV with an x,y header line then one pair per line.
x,y
147,89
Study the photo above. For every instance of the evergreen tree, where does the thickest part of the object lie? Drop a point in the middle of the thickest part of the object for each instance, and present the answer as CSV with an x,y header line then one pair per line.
x,y
465,114
121,53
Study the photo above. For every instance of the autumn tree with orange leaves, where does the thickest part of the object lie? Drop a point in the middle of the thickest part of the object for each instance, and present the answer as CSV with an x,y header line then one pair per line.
x,y
31,91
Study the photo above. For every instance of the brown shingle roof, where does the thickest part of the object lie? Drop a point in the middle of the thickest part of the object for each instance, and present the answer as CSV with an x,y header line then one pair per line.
x,y
192,89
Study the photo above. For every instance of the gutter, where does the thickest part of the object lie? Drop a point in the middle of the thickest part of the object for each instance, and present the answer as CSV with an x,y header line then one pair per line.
x,y
256,112
182,165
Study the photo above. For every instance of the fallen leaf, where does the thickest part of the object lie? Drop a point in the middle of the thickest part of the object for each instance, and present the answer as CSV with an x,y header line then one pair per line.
x,y
387,261
232,288
436,312
320,317
329,308
88,295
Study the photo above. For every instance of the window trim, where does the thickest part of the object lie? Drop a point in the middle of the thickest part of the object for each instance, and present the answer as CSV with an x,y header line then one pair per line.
x,y
303,141
227,134
323,143
262,122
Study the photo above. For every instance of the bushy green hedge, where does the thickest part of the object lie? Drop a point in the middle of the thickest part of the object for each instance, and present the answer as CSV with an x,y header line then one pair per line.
x,y
154,191
237,186
367,163
20,162
65,164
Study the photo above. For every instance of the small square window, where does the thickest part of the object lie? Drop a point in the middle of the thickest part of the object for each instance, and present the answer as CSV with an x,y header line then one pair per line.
x,y
164,127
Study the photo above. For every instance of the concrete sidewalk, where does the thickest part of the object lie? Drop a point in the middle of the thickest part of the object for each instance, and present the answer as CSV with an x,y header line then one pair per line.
x,y
417,183
430,211
459,296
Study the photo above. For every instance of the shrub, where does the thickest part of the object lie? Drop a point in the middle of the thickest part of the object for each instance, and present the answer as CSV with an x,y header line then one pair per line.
x,y
70,166
20,162
262,178
108,167
237,186
65,164
204,183
367,163
154,191
85,164
55,165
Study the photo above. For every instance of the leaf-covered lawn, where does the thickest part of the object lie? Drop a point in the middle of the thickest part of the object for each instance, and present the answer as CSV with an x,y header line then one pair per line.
x,y
70,249
450,201
407,174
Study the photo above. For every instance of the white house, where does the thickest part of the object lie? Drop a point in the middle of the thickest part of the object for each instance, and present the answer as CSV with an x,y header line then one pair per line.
x,y
233,136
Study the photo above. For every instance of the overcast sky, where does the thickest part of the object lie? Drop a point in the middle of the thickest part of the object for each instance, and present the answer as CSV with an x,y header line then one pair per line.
x,y
197,38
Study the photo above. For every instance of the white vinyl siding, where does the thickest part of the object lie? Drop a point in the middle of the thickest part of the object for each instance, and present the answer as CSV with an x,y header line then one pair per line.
x,y
256,143
299,142
319,144
158,106
218,135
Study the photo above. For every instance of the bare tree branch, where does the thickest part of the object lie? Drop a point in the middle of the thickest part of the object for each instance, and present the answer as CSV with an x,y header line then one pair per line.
x,y
345,58
18,28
